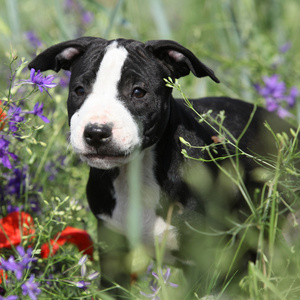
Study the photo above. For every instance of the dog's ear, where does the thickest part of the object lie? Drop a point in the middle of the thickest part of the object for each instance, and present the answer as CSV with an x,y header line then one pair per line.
x,y
61,56
179,59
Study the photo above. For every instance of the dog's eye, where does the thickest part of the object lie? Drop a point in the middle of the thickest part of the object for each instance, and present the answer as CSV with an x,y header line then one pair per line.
x,y
138,93
80,91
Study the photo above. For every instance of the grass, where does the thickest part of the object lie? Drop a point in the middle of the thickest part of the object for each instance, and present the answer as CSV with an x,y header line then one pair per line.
x,y
240,40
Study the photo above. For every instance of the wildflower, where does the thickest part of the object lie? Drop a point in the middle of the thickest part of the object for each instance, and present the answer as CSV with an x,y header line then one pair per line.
x,y
12,265
5,154
14,115
166,278
38,111
277,98
2,117
16,182
87,17
26,256
93,275
53,167
18,266
12,297
154,286
65,79
75,236
285,47
33,39
42,82
13,227
31,288
81,263
82,284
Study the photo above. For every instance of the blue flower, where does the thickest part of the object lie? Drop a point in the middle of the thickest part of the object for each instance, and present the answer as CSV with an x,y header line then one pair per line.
x,y
12,265
12,297
42,82
82,284
277,98
31,288
154,286
285,47
38,111
18,266
26,256
166,278
5,154
14,116
33,39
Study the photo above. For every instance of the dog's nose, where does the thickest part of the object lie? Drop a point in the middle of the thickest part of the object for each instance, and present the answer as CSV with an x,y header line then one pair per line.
x,y
95,134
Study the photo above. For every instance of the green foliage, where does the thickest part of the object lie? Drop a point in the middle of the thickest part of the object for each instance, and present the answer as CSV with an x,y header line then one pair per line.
x,y
240,40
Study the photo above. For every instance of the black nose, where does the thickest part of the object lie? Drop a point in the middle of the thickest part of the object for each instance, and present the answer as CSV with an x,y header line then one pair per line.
x,y
95,134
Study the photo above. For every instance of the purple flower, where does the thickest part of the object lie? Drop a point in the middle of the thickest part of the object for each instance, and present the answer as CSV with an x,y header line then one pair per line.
x,y
33,39
82,284
31,288
276,96
5,154
12,265
87,17
42,82
285,47
155,287
166,278
12,297
16,182
38,111
65,79
18,266
273,88
26,256
14,116
291,98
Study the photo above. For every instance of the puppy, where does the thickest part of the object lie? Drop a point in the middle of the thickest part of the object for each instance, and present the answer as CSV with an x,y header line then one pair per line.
x,y
120,111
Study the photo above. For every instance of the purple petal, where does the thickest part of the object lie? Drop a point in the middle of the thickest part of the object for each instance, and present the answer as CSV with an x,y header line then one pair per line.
x,y
45,119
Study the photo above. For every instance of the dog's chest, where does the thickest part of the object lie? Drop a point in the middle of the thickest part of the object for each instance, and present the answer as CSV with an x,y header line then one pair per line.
x,y
151,226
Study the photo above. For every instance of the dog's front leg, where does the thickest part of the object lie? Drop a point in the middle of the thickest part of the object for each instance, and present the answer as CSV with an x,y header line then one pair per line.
x,y
114,261
114,258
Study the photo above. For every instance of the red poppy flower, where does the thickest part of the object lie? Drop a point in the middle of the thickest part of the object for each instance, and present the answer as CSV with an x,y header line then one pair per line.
x,y
14,227
2,117
78,237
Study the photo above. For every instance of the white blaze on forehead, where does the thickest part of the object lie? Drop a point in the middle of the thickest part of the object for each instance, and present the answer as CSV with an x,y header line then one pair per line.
x,y
109,72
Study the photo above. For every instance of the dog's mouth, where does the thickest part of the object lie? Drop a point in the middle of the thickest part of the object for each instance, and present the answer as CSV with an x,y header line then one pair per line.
x,y
105,160
105,155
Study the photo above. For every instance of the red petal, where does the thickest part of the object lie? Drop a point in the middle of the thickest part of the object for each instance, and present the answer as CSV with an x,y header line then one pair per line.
x,y
75,236
2,276
13,227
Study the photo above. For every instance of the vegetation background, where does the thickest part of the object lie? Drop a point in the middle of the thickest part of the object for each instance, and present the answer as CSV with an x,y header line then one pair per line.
x,y
241,40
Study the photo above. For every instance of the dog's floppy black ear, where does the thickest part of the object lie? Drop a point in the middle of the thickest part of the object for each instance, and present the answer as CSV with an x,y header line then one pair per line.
x,y
179,59
62,55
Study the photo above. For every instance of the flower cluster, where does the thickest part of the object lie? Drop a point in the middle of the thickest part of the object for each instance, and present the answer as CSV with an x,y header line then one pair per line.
x,y
278,98
85,279
16,227
155,285
13,115
24,261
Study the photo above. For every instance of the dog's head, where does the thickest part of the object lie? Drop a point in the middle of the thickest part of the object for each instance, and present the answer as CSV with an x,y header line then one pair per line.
x,y
118,102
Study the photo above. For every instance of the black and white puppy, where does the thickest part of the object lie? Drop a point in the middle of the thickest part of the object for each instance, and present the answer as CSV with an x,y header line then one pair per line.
x,y
120,109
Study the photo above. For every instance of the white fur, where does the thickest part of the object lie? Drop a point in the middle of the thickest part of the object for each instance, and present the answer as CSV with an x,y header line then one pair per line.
x,y
102,106
152,226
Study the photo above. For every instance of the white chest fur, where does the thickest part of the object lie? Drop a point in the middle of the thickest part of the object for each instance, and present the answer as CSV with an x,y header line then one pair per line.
x,y
151,226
